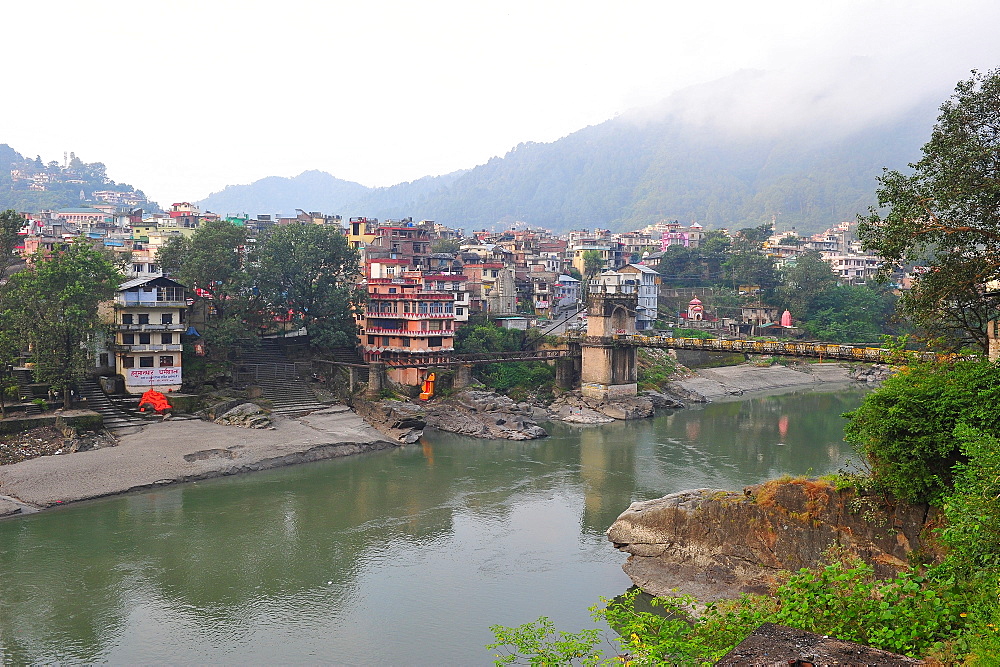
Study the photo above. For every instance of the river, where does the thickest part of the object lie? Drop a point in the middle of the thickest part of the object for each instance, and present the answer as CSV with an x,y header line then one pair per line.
x,y
400,557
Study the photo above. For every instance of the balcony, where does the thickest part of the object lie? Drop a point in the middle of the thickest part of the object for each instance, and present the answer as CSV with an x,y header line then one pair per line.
x,y
172,347
426,316
378,331
128,300
412,296
153,327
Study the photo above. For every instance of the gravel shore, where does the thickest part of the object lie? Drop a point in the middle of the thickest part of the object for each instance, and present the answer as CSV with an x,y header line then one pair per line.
x,y
182,451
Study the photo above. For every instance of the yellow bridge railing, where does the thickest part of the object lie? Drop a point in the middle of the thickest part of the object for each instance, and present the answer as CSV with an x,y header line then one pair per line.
x,y
790,349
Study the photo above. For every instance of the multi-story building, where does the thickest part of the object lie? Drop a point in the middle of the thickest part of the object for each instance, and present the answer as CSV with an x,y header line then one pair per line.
x,y
647,283
853,269
149,318
403,319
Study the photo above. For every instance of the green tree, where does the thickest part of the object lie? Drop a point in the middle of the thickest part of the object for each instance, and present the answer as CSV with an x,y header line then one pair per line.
x,y
748,264
450,246
309,271
805,283
53,307
215,261
947,207
851,314
905,429
592,262
11,223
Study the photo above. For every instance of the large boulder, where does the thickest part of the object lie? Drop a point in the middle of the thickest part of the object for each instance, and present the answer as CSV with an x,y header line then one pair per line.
x,y
715,544
245,415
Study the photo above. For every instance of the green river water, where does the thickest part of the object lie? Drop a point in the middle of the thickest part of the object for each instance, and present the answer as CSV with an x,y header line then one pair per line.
x,y
401,557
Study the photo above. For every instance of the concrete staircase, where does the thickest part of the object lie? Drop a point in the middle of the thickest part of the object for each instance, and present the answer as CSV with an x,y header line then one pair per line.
x,y
349,355
115,419
278,379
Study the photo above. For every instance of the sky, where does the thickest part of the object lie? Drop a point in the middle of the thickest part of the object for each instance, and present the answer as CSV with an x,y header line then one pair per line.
x,y
181,98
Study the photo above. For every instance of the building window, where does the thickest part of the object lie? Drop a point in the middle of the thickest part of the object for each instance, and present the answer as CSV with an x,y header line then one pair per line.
x,y
434,341
166,360
406,342
128,362
459,311
103,359
127,318
144,318
144,339
385,341
180,314
145,362
371,340
167,318
128,339
167,339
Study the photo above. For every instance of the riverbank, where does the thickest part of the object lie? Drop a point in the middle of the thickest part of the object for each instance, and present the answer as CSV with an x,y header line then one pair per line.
x,y
171,452
710,384
182,451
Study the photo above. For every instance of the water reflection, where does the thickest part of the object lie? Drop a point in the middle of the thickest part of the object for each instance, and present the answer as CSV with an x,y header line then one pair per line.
x,y
401,557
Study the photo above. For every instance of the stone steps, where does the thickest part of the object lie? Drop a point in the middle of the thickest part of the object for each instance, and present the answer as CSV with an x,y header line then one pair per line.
x,y
279,382
114,417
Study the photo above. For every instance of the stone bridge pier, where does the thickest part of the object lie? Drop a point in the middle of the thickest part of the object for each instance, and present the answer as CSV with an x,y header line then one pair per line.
x,y
609,368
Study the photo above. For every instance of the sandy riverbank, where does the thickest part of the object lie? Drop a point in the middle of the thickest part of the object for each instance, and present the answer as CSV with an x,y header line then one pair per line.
x,y
182,451
729,381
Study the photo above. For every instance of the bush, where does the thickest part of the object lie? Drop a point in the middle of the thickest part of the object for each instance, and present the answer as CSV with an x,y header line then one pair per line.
x,y
905,429
909,614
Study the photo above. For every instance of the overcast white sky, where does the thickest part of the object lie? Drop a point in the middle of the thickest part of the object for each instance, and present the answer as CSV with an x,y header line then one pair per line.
x,y
182,98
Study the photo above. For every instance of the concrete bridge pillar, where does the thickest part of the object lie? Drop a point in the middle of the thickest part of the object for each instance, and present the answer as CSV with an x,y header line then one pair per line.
x,y
609,368
377,380
566,372
463,376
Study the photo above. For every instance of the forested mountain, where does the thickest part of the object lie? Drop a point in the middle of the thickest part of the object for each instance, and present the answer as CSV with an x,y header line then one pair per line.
x,y
311,191
632,171
33,185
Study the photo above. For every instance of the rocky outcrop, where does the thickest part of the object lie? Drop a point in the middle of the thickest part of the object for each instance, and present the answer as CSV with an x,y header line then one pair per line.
x,y
873,375
400,420
576,409
484,414
245,415
714,544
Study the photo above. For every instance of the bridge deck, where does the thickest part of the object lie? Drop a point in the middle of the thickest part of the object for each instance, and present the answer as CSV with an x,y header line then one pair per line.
x,y
814,350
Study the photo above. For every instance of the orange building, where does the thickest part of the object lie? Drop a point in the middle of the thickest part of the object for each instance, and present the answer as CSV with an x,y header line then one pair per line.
x,y
406,321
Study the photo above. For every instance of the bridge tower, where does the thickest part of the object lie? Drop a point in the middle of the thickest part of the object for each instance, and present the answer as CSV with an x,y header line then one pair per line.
x,y
609,369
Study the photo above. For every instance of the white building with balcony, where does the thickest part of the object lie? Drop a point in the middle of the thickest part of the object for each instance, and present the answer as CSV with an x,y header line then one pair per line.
x,y
150,316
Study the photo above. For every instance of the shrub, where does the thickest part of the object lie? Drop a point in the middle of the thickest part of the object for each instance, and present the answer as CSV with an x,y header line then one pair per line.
x,y
904,430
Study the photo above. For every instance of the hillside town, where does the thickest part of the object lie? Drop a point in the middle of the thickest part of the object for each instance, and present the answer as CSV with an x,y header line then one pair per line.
x,y
424,280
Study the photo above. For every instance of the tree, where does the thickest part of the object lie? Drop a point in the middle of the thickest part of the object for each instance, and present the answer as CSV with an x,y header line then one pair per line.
x,y
309,271
851,314
450,246
52,306
592,262
747,263
948,208
214,262
805,283
11,223
905,429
